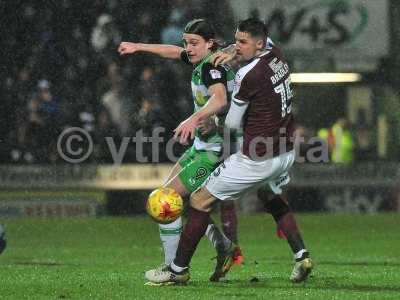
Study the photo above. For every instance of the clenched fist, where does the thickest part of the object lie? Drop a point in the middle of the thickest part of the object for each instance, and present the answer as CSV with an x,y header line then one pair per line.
x,y
128,48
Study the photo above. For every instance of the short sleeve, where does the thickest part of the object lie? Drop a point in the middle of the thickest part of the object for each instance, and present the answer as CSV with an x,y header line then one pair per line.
x,y
185,58
212,75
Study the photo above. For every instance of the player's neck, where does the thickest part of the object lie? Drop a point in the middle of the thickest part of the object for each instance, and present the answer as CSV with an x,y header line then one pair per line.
x,y
261,53
258,55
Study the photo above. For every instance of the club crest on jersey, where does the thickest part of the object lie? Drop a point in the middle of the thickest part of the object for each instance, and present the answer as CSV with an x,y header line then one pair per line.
x,y
237,83
215,74
200,99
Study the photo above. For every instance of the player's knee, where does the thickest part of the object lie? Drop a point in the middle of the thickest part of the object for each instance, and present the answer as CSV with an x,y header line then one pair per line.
x,y
199,201
277,206
227,205
196,201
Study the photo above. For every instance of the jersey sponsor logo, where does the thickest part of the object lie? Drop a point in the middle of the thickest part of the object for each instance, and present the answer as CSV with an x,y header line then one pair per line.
x,y
237,83
282,180
280,69
200,99
217,172
200,173
215,74
275,65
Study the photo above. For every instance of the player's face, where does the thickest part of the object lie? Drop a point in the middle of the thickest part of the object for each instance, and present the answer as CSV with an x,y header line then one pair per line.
x,y
247,46
196,47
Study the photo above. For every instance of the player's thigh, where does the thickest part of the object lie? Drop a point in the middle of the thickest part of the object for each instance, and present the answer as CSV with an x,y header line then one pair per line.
x,y
178,186
203,200
236,176
191,171
173,180
227,205
196,171
281,175
176,169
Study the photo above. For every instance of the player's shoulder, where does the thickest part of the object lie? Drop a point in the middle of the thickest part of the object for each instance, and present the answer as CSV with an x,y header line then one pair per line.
x,y
209,66
276,51
215,72
249,70
273,54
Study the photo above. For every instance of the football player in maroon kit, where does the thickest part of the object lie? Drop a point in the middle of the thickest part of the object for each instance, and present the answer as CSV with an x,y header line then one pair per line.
x,y
261,105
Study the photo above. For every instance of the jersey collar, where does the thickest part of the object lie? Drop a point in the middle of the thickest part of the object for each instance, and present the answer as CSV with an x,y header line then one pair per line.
x,y
204,60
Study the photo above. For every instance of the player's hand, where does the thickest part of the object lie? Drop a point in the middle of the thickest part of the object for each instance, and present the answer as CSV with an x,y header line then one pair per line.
x,y
186,129
207,125
220,58
128,48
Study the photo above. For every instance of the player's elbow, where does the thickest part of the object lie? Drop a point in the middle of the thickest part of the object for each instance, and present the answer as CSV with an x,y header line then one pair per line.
x,y
221,100
222,103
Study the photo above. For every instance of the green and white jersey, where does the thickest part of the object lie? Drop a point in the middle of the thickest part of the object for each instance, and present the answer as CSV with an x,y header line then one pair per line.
x,y
205,75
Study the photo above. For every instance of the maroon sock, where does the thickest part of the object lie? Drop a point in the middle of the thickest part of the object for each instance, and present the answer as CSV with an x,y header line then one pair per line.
x,y
194,230
288,225
278,207
229,220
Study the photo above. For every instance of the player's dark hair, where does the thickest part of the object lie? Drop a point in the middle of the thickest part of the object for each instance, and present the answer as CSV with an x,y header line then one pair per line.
x,y
253,26
203,28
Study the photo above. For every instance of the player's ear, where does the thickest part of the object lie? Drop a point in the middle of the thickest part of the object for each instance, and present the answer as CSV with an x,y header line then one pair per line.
x,y
260,44
210,44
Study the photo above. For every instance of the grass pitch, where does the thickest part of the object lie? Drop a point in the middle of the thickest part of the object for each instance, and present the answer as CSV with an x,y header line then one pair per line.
x,y
355,257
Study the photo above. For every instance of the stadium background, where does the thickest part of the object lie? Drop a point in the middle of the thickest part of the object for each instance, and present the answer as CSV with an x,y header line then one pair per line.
x,y
59,69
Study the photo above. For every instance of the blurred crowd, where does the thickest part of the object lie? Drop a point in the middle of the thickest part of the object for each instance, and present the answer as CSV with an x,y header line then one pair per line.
x,y
60,68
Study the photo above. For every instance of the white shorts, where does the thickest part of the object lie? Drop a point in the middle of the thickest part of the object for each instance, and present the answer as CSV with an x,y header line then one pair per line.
x,y
238,174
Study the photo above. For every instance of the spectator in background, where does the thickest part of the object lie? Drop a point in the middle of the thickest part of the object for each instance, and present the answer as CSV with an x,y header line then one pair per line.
x,y
74,55
148,87
43,125
23,86
105,128
87,119
111,80
172,32
148,118
105,35
363,137
48,107
340,141
113,99
309,148
113,102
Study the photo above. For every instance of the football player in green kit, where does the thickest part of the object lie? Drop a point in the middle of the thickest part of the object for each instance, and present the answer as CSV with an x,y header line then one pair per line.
x,y
213,85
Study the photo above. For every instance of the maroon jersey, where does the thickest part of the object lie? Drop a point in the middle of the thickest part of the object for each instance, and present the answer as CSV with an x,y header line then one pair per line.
x,y
268,123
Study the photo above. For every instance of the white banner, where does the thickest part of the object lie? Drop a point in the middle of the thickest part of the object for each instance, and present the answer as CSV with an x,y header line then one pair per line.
x,y
342,29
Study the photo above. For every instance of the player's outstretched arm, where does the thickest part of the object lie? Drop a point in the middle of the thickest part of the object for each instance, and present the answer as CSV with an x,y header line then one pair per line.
x,y
166,51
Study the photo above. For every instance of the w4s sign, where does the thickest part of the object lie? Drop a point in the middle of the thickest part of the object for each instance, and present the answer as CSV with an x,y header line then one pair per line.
x,y
360,25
